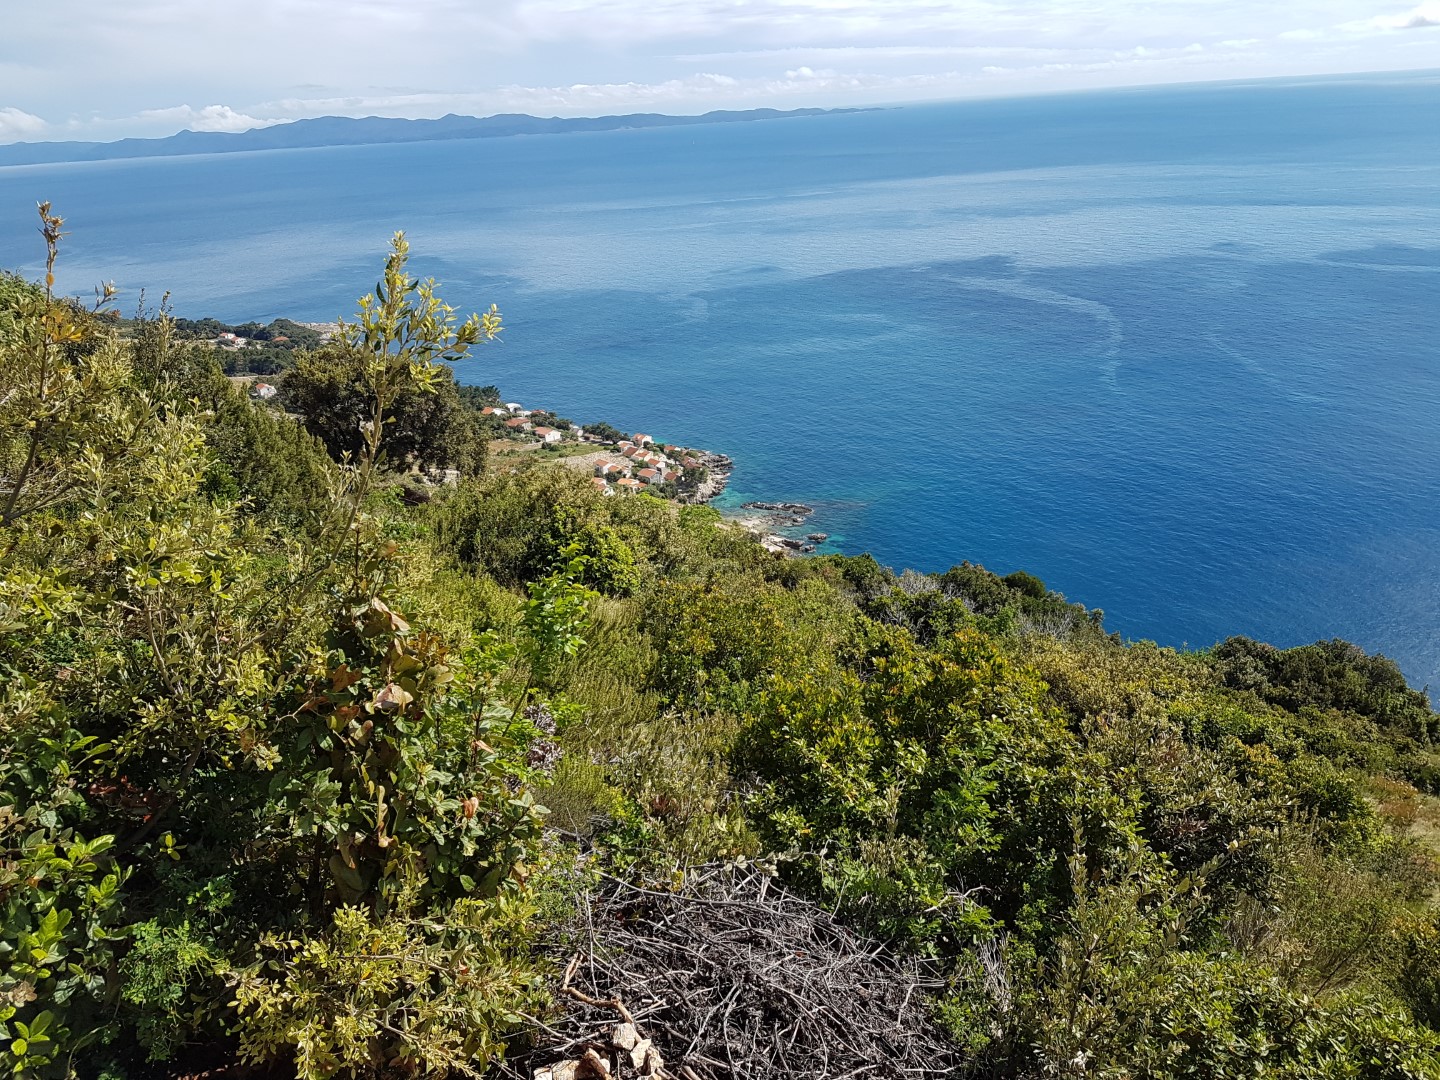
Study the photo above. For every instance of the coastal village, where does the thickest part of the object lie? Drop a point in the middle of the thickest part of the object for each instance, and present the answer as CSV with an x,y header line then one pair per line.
x,y
621,464
618,464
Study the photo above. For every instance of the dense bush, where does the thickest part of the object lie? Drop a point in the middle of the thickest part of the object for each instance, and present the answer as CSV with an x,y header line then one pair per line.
x,y
428,426
516,527
228,760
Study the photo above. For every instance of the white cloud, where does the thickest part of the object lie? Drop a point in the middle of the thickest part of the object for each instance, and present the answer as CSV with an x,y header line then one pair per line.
x,y
583,97
872,52
1417,18
575,56
804,84
208,118
153,123
696,92
1424,16
16,124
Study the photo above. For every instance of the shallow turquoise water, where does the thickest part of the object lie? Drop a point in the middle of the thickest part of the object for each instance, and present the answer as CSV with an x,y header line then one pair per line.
x,y
1175,351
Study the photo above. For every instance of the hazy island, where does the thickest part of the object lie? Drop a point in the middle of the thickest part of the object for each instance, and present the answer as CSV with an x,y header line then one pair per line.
x,y
345,734
366,130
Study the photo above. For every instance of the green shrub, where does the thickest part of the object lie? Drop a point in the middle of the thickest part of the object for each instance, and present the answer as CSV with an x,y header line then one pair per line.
x,y
1417,974
164,972
401,993
941,748
1126,992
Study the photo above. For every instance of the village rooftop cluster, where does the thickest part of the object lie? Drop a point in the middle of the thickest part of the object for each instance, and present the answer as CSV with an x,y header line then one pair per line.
x,y
636,463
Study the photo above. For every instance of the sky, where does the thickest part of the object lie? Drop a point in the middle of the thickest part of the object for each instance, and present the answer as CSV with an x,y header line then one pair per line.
x,y
81,69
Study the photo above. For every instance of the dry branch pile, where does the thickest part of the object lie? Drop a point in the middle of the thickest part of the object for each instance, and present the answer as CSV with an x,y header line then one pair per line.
x,y
733,977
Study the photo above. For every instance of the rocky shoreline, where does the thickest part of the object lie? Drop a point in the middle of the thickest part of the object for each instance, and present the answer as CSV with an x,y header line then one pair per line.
x,y
718,468
780,515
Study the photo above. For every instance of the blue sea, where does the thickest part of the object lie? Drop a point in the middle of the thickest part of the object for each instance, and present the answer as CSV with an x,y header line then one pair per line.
x,y
1176,351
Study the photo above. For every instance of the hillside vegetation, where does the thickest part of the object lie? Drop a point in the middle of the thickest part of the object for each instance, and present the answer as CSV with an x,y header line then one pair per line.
x,y
298,769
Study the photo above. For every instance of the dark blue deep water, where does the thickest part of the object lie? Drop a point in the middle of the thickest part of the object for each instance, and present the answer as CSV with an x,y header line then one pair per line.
x,y
1175,351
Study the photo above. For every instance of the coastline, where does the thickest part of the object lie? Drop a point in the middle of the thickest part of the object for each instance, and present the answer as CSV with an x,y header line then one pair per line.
x,y
627,464
718,469
764,518
613,464
759,518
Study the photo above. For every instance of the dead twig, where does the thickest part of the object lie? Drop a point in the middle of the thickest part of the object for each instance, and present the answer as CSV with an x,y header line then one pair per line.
x,y
735,977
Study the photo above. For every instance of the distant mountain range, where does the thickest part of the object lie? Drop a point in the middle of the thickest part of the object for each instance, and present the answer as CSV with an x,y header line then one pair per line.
x,y
357,131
